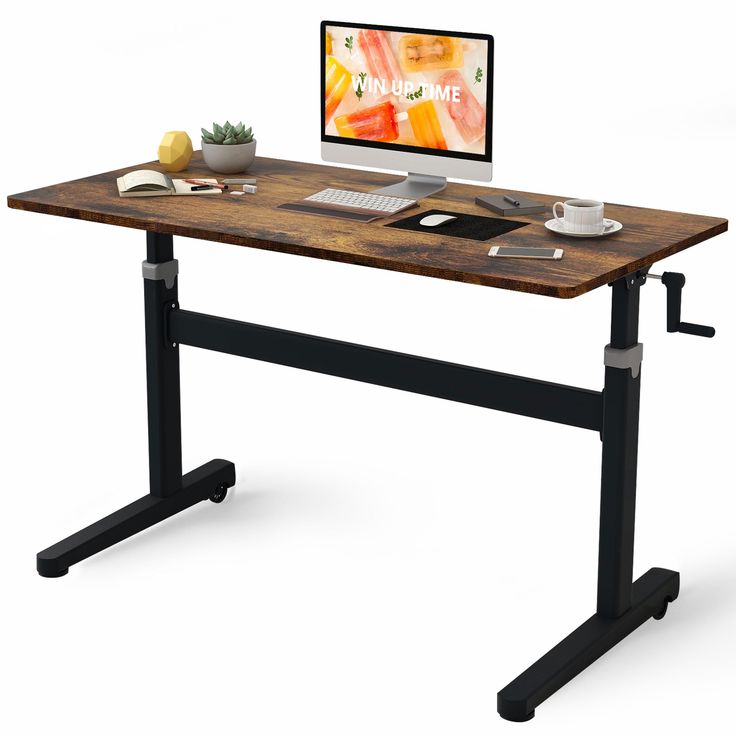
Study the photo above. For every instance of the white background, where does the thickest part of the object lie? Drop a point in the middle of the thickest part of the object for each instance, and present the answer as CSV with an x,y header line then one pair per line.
x,y
388,561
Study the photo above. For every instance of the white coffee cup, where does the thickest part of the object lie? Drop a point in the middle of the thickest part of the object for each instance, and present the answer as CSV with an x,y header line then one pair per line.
x,y
581,216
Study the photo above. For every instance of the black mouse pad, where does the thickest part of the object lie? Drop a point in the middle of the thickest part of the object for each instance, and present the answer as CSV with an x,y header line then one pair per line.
x,y
473,227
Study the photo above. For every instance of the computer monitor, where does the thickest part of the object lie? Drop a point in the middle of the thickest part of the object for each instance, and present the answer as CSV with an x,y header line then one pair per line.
x,y
408,99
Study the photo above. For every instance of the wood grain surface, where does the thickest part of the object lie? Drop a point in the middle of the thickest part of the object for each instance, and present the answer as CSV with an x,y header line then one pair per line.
x,y
254,221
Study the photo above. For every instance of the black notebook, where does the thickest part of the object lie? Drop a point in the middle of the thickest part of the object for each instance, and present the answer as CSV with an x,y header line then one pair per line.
x,y
496,203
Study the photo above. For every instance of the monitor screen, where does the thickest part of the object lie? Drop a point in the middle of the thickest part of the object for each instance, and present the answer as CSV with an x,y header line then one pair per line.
x,y
407,89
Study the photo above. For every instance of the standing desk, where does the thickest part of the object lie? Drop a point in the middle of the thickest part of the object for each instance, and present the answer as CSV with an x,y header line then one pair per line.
x,y
620,261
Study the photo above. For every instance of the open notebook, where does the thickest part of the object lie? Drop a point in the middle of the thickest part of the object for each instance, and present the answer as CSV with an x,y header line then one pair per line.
x,y
149,183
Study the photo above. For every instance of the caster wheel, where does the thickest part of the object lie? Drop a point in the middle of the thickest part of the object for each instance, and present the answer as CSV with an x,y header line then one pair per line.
x,y
660,615
219,494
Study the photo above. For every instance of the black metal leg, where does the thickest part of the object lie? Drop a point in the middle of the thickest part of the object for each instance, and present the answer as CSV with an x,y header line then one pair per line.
x,y
622,606
618,468
169,492
162,371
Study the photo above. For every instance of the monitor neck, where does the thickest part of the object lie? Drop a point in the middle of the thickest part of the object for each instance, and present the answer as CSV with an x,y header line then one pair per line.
x,y
415,186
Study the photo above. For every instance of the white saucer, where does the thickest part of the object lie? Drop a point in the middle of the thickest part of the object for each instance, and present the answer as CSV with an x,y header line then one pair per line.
x,y
612,226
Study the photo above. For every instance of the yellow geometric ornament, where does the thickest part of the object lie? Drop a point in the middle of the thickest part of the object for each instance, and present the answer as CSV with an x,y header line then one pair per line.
x,y
175,150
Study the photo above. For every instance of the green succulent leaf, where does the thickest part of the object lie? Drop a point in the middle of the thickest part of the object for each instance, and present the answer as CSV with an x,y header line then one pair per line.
x,y
228,134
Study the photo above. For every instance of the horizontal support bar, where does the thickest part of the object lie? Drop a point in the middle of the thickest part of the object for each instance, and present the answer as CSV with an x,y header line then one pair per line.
x,y
197,485
552,402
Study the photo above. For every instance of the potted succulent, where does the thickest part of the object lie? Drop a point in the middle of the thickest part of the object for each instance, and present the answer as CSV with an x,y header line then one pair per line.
x,y
229,149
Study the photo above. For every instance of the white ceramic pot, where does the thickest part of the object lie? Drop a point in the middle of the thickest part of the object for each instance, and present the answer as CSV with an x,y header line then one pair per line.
x,y
229,159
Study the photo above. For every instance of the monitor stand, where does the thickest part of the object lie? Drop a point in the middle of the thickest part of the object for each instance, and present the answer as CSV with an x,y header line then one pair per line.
x,y
415,186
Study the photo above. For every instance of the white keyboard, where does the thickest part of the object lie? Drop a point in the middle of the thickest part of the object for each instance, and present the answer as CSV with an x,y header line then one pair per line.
x,y
376,204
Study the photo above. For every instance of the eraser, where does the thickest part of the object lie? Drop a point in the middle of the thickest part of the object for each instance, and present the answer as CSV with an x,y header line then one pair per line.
x,y
250,188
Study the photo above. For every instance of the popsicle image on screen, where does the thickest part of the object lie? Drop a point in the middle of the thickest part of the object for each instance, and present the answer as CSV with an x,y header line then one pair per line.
x,y
467,113
420,53
377,123
337,82
378,55
426,125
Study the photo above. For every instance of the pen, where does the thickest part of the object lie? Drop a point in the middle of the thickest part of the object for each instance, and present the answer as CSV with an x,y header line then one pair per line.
x,y
201,187
511,200
238,181
203,183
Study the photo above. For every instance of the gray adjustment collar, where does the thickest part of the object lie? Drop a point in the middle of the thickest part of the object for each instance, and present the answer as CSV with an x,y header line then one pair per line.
x,y
630,357
166,272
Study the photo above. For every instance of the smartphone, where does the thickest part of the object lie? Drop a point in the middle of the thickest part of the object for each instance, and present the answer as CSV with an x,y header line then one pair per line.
x,y
504,251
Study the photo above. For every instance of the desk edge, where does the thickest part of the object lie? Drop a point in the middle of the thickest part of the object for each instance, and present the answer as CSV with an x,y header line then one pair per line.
x,y
500,282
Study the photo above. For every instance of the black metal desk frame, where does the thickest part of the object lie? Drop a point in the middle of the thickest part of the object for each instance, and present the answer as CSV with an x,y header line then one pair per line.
x,y
623,604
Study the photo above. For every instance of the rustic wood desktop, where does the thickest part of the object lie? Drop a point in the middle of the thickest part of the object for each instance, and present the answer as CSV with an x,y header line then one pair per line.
x,y
621,261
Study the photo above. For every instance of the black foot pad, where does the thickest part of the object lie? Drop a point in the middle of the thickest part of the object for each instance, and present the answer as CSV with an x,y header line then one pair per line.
x,y
650,595
212,478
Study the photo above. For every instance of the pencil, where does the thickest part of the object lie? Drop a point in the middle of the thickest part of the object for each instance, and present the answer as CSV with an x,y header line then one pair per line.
x,y
202,182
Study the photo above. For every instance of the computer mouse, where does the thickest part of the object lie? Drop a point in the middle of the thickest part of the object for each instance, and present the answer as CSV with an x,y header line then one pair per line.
x,y
434,220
